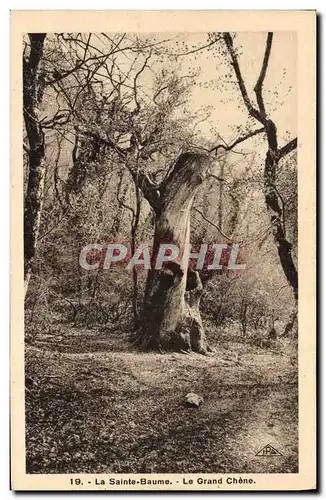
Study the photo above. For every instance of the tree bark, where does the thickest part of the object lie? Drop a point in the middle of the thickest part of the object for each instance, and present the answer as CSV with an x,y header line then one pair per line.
x,y
273,156
171,318
276,211
32,95
291,328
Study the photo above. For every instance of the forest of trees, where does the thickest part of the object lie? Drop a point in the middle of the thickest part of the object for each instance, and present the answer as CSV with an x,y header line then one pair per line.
x,y
119,148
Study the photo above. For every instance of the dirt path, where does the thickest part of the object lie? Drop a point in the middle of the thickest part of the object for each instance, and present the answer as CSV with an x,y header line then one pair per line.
x,y
120,411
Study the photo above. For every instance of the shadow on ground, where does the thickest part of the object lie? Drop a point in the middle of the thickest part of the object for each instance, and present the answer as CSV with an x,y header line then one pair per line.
x,y
109,410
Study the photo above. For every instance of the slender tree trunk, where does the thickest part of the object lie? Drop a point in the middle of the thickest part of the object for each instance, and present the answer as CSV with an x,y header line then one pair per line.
x,y
276,213
243,317
276,209
273,156
32,95
171,317
118,221
220,219
134,228
292,325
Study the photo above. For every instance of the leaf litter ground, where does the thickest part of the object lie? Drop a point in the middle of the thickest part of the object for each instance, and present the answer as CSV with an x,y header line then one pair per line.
x,y
95,405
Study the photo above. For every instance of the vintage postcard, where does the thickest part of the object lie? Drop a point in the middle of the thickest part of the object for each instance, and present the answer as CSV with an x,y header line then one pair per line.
x,y
163,172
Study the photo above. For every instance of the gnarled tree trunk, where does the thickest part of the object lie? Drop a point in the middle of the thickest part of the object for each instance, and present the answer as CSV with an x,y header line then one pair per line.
x,y
171,317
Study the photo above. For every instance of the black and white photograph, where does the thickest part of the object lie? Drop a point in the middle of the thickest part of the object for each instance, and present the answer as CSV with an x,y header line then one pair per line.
x,y
161,283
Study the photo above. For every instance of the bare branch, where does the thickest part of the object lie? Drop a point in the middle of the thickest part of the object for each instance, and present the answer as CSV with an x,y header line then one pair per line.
x,y
238,141
198,49
87,45
96,58
234,58
290,146
220,179
259,85
136,81
157,93
120,201
212,224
